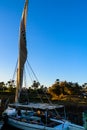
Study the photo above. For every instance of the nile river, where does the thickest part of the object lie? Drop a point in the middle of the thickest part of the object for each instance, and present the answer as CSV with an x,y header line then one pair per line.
x,y
7,127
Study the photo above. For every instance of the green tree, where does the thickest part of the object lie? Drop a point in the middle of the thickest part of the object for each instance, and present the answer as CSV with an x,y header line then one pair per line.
x,y
35,85
2,86
55,89
65,88
11,86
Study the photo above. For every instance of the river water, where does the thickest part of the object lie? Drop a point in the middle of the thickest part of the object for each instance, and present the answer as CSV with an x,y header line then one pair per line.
x,y
7,127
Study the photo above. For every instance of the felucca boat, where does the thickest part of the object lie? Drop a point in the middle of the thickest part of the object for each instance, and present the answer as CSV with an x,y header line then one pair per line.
x,y
33,116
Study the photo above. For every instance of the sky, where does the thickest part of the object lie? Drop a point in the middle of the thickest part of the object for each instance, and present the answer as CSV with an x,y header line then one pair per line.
x,y
56,39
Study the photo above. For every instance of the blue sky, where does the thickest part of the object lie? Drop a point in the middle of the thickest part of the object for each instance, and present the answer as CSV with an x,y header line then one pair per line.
x,y
56,39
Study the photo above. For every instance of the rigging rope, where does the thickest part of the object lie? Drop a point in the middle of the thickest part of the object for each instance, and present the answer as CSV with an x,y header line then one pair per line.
x,y
33,71
15,71
32,81
42,89
36,80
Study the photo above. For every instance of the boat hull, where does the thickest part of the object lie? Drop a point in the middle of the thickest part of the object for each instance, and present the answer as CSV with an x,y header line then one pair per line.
x,y
28,126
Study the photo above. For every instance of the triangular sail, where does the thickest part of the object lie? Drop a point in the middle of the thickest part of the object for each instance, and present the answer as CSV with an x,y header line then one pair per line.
x,y
22,51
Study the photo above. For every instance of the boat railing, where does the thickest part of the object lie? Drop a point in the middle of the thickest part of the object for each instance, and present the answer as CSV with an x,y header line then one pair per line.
x,y
75,127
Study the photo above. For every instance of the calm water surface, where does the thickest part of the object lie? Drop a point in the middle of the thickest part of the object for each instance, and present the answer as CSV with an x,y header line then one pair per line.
x,y
7,127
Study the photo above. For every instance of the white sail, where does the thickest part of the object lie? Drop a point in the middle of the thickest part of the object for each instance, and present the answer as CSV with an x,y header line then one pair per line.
x,y
22,51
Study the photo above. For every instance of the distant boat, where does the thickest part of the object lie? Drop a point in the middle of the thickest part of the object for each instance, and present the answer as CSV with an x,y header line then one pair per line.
x,y
33,116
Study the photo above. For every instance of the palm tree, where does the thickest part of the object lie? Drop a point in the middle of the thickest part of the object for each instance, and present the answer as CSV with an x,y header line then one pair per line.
x,y
35,84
